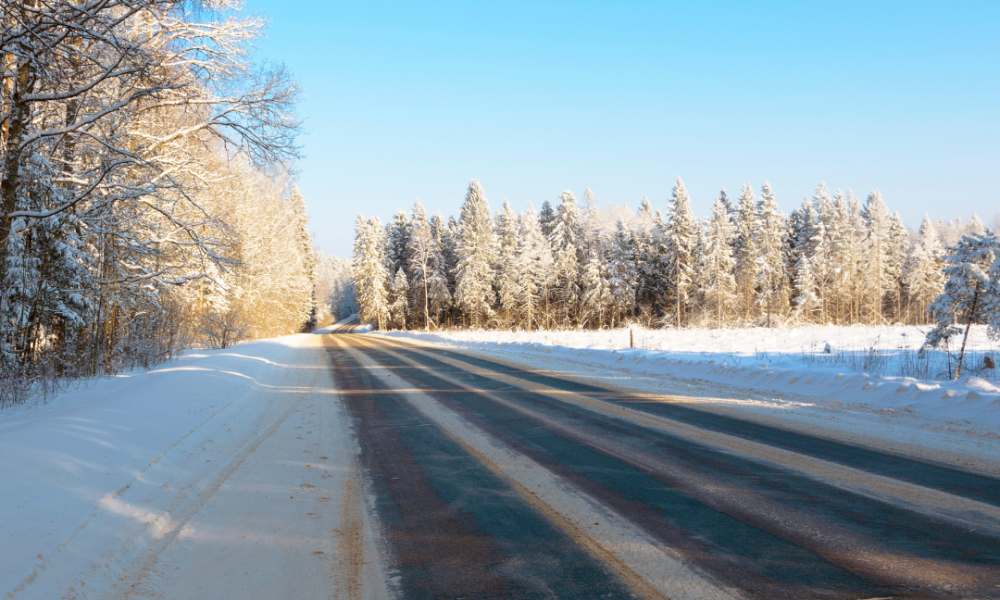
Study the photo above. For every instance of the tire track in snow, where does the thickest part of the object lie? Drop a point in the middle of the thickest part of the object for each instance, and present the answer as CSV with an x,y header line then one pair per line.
x,y
140,568
112,498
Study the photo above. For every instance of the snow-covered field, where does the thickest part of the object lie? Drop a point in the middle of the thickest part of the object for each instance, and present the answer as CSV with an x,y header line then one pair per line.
x,y
872,370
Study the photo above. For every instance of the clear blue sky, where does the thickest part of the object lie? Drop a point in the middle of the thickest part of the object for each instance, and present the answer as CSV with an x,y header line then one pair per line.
x,y
409,100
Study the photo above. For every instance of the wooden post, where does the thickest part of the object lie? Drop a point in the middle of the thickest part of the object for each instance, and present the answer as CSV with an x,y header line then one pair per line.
x,y
631,339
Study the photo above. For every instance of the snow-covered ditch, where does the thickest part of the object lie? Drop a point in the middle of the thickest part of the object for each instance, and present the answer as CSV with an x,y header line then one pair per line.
x,y
874,370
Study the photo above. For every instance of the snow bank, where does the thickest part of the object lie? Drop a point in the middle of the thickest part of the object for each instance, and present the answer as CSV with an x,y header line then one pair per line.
x,y
78,460
869,369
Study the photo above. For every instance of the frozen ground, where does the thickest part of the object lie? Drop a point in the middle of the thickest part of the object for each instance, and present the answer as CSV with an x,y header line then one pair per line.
x,y
221,474
869,384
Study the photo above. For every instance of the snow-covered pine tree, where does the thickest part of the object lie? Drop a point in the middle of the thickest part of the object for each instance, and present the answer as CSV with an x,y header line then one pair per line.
x,y
806,303
397,234
682,232
300,219
800,243
800,231
594,278
622,275
950,232
449,252
399,300
590,234
924,277
724,198
357,254
645,207
648,245
899,245
975,225
877,265
836,272
717,265
536,266
422,250
771,278
547,218
508,279
369,269
745,223
477,250
439,291
594,283
971,293
824,249
857,261
42,297
565,247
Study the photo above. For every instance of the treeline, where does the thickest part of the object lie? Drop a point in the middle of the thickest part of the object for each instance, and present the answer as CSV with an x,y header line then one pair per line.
x,y
144,205
833,260
335,295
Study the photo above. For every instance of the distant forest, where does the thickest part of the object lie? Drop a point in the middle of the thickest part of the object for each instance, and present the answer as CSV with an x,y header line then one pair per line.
x,y
834,259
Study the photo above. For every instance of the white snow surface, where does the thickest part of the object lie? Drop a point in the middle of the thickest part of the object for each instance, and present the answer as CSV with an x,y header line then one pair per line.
x,y
169,482
774,371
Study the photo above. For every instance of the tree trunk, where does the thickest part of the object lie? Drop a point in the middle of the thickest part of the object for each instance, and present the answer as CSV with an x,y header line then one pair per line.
x,y
427,314
965,338
12,159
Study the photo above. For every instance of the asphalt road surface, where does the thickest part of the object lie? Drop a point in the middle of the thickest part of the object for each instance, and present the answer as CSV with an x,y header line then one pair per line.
x,y
486,480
